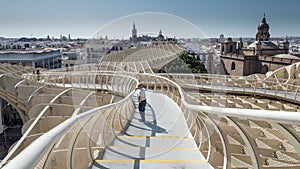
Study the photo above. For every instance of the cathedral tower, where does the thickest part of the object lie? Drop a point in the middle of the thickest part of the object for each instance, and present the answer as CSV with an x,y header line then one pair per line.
x,y
134,33
263,30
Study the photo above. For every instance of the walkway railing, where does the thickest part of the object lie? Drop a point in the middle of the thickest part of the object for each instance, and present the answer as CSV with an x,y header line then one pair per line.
x,y
77,141
237,84
202,119
82,138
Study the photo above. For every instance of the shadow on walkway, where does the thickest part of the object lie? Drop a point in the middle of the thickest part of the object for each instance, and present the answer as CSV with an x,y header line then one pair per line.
x,y
155,128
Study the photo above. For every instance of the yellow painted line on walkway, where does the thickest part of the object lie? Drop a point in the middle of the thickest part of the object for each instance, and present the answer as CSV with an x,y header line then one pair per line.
x,y
156,148
114,161
152,161
162,137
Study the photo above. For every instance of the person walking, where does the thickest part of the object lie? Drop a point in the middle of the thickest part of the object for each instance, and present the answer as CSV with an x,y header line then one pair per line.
x,y
142,101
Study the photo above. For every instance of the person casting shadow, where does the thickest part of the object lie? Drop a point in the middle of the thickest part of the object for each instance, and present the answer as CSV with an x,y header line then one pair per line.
x,y
142,101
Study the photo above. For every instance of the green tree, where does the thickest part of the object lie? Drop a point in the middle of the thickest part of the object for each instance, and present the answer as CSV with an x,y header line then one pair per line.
x,y
184,64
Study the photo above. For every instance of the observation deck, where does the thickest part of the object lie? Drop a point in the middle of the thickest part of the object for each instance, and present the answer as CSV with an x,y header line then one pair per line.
x,y
87,117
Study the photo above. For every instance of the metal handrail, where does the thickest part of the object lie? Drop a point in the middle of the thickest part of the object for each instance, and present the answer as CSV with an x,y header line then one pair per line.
x,y
42,144
32,154
282,116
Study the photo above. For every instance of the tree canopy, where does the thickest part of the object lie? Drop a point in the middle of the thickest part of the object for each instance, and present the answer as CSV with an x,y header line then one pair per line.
x,y
184,64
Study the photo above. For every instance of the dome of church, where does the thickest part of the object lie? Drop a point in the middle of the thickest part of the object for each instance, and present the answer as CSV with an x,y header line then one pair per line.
x,y
264,45
264,23
160,35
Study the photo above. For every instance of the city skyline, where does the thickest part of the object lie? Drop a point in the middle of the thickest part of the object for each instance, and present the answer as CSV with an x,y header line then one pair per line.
x,y
83,19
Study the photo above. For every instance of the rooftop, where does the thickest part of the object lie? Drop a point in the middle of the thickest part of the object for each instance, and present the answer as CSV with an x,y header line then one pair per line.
x,y
264,45
27,51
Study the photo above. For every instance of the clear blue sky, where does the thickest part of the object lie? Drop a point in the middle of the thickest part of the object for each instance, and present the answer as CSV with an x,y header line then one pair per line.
x,y
82,18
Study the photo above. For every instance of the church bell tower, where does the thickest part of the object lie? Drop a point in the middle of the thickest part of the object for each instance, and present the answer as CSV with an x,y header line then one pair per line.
x,y
134,33
263,30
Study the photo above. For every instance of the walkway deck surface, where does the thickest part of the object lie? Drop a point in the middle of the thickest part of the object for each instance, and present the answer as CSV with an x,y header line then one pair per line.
x,y
162,142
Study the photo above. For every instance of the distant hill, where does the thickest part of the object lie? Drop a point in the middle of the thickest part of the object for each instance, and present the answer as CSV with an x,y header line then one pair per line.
x,y
24,39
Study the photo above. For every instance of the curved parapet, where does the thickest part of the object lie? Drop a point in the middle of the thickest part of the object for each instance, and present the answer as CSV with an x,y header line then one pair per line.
x,y
286,75
235,122
51,106
240,137
155,56
15,70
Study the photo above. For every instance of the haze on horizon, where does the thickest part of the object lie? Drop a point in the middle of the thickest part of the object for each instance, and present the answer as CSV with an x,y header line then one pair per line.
x,y
79,18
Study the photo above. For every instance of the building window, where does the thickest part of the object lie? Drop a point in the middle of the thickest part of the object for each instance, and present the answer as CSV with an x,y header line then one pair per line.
x,y
265,69
232,66
231,49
